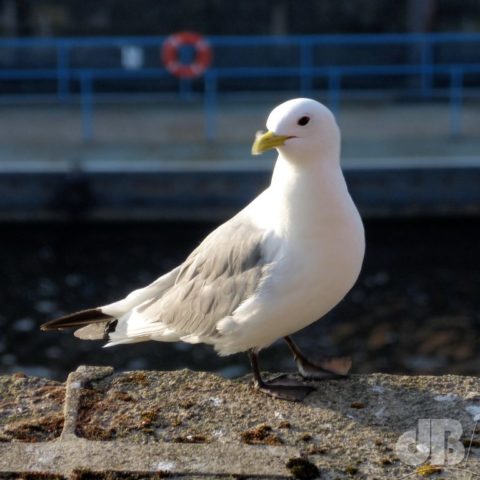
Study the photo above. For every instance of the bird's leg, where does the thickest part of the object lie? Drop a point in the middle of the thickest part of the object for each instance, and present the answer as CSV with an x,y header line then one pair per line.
x,y
324,367
295,392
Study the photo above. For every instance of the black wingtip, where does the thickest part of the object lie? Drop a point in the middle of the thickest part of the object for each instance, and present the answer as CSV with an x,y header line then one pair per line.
x,y
77,319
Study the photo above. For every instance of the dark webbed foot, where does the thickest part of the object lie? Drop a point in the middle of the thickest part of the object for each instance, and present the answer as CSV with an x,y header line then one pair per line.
x,y
285,392
281,387
327,367
323,367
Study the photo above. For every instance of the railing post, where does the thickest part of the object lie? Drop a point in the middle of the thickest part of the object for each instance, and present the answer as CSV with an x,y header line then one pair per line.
x,y
306,64
185,89
185,84
334,86
63,74
426,58
210,105
86,99
456,100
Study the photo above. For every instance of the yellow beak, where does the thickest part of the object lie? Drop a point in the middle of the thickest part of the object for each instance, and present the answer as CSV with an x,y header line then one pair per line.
x,y
267,140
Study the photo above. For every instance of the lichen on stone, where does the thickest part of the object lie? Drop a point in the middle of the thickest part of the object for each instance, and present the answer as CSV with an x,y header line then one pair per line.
x,y
31,409
427,470
262,434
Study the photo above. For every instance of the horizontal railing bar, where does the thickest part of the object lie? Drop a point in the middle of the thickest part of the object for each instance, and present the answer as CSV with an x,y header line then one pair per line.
x,y
241,72
256,40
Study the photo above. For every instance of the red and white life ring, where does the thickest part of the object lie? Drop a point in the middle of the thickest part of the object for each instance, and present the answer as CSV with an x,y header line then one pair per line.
x,y
203,57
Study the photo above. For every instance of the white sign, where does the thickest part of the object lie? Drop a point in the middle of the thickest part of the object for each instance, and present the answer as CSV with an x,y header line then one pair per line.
x,y
132,57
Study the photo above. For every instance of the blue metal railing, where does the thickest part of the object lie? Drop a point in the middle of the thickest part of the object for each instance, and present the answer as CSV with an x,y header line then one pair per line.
x,y
338,60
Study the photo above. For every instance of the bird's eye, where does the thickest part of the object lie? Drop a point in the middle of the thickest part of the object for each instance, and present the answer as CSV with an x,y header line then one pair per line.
x,y
303,121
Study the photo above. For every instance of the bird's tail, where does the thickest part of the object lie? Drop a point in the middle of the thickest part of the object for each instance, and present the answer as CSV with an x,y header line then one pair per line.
x,y
95,323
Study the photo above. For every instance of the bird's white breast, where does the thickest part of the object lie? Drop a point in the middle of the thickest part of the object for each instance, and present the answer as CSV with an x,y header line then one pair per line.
x,y
316,240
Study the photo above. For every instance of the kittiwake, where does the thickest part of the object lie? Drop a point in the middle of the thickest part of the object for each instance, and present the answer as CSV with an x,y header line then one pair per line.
x,y
278,265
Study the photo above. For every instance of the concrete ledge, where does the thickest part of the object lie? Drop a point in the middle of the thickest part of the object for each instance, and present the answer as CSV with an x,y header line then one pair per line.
x,y
198,425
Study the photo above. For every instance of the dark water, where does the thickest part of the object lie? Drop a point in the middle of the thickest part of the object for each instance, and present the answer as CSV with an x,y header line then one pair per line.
x,y
415,309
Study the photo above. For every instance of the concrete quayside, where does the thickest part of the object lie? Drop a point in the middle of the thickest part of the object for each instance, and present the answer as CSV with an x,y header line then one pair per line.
x,y
144,424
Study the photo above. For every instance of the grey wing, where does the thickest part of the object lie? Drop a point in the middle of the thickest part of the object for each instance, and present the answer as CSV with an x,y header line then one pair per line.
x,y
215,279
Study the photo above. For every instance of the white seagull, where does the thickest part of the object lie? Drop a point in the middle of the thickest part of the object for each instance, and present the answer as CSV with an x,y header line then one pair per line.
x,y
277,266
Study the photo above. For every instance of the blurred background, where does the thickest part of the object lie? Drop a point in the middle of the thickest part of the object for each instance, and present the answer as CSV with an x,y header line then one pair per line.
x,y
121,147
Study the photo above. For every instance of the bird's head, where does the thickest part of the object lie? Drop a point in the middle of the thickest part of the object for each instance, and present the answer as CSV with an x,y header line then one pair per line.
x,y
302,130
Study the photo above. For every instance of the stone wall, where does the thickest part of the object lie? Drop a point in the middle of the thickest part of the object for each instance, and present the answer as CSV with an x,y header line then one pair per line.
x,y
143,425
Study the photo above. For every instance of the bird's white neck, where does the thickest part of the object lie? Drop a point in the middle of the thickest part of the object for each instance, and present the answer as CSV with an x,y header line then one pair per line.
x,y
312,193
